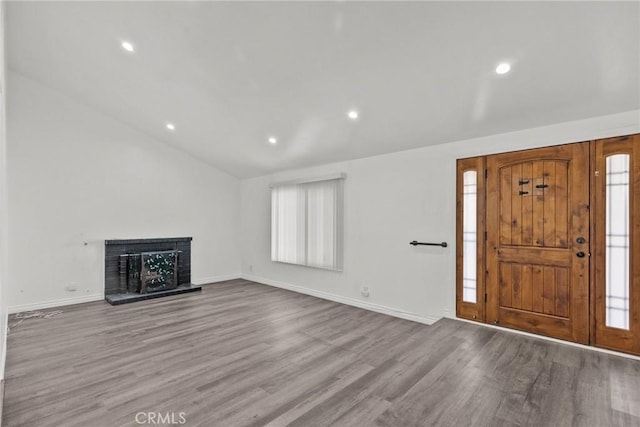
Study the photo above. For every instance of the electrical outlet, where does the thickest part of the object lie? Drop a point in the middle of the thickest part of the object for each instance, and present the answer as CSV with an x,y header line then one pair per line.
x,y
364,291
71,287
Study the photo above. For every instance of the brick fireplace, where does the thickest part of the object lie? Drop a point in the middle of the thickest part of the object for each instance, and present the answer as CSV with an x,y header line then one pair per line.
x,y
139,269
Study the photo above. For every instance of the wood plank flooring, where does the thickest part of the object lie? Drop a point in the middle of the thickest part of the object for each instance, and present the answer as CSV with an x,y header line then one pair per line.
x,y
246,354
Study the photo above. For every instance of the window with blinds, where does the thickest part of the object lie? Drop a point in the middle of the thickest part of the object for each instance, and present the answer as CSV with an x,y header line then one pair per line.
x,y
306,223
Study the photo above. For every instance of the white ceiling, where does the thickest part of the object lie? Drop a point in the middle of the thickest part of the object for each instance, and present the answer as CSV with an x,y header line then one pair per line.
x,y
231,74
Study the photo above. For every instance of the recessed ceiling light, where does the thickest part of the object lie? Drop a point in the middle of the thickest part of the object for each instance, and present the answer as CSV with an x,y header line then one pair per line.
x,y
353,114
171,126
127,46
503,68
272,140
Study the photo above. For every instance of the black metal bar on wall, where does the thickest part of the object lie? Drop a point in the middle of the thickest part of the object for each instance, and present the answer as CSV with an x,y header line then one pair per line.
x,y
415,243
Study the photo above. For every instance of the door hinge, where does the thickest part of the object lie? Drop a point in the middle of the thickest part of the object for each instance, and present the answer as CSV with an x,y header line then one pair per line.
x,y
486,173
485,235
485,297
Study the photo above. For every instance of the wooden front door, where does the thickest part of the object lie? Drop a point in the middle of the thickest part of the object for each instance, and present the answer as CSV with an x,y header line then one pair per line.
x,y
537,247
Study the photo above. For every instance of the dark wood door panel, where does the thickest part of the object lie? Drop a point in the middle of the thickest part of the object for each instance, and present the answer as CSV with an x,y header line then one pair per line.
x,y
533,204
535,288
551,256
542,324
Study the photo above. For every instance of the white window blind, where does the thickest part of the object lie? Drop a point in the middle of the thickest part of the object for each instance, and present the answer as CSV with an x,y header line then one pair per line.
x,y
306,223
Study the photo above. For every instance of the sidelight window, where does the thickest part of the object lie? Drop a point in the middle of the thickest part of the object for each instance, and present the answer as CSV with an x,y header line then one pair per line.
x,y
469,236
617,241
470,294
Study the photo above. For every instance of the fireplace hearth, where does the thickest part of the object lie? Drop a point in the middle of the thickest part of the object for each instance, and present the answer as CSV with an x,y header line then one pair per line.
x,y
139,269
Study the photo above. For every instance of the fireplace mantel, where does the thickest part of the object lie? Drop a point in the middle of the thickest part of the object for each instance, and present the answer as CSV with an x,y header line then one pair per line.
x,y
145,241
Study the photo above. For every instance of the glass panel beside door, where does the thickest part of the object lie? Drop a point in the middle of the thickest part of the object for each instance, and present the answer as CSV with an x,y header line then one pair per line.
x,y
616,258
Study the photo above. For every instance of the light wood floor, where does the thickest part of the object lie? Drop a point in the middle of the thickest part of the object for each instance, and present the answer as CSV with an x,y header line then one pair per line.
x,y
241,353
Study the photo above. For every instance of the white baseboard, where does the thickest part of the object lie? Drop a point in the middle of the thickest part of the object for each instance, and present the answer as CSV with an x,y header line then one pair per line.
x,y
3,352
427,320
207,280
99,297
55,303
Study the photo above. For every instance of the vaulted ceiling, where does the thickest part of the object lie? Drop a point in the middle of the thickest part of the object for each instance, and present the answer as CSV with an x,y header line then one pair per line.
x,y
230,75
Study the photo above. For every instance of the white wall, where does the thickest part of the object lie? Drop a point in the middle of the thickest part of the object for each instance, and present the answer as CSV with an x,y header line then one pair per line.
x,y
3,206
389,201
76,176
63,192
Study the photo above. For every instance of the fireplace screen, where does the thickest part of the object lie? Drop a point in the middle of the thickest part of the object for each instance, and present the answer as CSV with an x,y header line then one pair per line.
x,y
149,271
158,271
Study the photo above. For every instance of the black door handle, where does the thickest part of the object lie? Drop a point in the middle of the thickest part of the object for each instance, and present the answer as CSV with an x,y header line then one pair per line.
x,y
580,254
